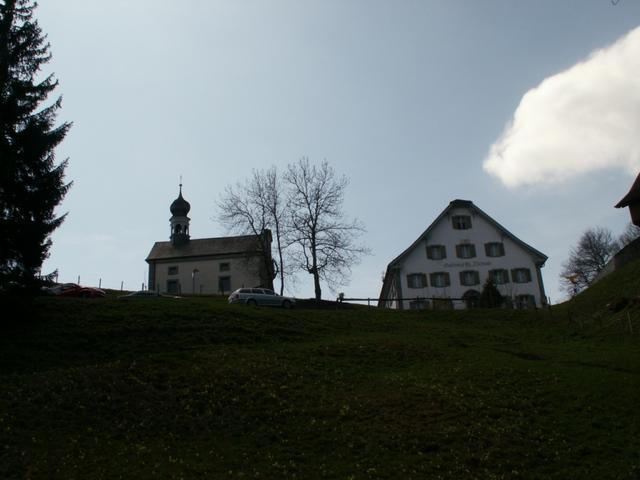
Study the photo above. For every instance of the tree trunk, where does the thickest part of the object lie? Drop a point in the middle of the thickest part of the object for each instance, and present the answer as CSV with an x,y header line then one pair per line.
x,y
316,283
314,269
280,258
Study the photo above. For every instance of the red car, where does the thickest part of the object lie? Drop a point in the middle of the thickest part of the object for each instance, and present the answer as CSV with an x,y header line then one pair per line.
x,y
75,290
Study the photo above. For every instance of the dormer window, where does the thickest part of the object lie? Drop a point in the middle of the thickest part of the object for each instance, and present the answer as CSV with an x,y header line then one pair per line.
x,y
461,222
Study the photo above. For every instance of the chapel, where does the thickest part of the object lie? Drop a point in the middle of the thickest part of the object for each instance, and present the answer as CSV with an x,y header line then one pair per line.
x,y
206,266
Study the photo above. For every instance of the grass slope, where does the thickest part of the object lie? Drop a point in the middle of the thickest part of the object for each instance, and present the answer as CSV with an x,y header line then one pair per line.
x,y
195,388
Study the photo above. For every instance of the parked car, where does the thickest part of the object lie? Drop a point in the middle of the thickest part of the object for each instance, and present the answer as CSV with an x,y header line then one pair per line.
x,y
145,294
75,290
261,296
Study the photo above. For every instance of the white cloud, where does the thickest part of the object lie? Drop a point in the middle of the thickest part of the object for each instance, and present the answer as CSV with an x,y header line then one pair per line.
x,y
583,119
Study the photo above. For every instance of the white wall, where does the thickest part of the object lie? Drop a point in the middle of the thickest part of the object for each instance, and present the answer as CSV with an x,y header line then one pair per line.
x,y
243,273
481,232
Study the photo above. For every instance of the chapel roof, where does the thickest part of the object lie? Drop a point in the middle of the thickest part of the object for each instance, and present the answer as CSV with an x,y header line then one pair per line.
x,y
205,247
180,207
633,196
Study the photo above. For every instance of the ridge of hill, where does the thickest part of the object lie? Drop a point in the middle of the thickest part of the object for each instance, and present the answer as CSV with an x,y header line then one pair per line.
x,y
612,303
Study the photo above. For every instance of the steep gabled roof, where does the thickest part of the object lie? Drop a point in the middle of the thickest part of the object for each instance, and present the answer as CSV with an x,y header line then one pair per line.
x,y
540,258
205,247
633,196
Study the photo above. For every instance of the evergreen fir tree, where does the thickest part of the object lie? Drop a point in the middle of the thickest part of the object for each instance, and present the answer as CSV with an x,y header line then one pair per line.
x,y
31,184
490,297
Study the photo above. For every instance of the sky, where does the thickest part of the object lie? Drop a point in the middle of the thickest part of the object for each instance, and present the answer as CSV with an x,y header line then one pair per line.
x,y
529,109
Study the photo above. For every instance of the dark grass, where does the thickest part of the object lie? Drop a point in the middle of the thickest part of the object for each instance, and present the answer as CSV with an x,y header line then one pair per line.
x,y
195,388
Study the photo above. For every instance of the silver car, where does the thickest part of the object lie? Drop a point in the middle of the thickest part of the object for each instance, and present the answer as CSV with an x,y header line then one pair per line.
x,y
261,296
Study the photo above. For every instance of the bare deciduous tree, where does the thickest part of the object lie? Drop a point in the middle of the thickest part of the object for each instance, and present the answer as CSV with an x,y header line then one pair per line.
x,y
252,208
325,239
631,232
587,259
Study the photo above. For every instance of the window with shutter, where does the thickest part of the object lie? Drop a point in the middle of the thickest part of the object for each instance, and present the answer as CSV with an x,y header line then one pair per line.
x,y
419,304
461,222
525,301
469,277
494,249
499,276
417,280
466,250
521,275
436,252
439,279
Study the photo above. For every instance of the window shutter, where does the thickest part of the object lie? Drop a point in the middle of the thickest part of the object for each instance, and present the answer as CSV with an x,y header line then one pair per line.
x,y
459,251
476,277
447,279
462,278
514,276
501,249
473,251
528,275
443,251
487,249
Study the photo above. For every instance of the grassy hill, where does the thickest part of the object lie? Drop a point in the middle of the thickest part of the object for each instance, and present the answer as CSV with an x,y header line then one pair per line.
x,y
195,388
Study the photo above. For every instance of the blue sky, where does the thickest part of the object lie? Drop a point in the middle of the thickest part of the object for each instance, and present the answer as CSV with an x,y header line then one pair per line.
x,y
406,98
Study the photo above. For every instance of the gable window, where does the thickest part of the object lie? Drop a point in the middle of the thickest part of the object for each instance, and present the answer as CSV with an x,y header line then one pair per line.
x,y
225,267
173,270
466,250
461,222
494,249
499,276
436,252
469,277
521,275
417,280
440,279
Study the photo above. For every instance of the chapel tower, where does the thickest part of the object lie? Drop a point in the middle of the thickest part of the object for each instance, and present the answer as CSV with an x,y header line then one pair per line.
x,y
179,220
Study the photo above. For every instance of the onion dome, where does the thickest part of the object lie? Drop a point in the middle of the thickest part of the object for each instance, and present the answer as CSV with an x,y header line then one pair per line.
x,y
180,207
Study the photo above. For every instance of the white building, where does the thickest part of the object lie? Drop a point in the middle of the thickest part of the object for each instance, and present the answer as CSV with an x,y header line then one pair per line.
x,y
207,265
454,257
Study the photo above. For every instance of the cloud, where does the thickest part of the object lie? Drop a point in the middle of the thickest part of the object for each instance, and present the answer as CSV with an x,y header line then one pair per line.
x,y
583,119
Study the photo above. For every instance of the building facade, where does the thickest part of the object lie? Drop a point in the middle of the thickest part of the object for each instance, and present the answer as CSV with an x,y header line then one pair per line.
x,y
207,265
453,258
